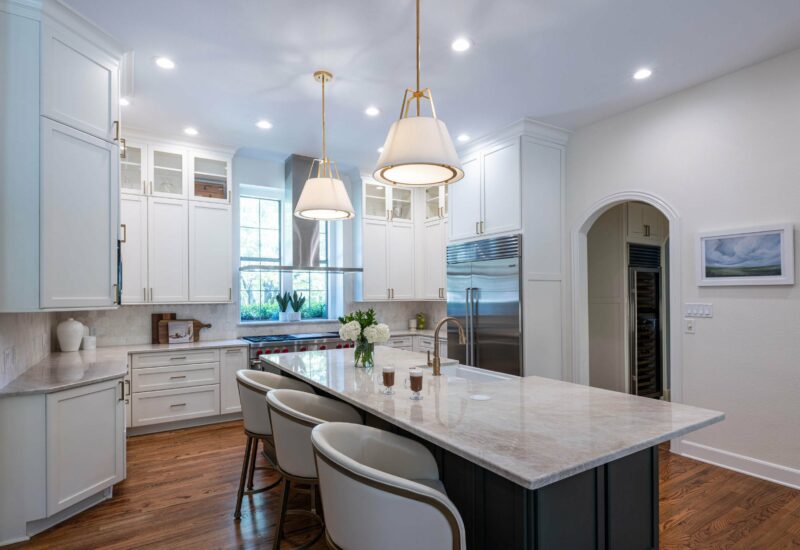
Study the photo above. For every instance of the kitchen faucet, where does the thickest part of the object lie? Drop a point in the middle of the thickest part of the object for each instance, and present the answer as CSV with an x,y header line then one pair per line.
x,y
436,363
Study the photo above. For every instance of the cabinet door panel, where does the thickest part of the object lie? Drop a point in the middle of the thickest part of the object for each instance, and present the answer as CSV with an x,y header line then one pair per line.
x,y
210,178
80,83
464,209
133,169
501,188
375,277
400,248
168,244
79,218
210,269
85,442
232,360
167,169
433,246
133,247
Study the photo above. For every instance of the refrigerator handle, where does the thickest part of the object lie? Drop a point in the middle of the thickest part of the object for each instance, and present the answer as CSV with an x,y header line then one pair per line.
x,y
472,312
468,328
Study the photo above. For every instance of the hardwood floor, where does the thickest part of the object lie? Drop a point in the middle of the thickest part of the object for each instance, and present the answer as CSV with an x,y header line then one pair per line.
x,y
181,489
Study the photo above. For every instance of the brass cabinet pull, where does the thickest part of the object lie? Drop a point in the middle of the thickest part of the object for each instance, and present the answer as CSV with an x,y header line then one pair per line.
x,y
115,290
127,384
477,228
388,294
230,294
121,391
151,293
646,230
124,233
144,292
123,148
177,377
116,130
177,405
183,357
482,228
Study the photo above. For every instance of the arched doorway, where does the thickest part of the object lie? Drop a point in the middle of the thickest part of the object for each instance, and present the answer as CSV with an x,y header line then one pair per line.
x,y
580,285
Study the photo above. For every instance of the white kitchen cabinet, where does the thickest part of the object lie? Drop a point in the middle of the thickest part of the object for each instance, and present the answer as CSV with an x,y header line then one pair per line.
x,y
400,246
501,188
645,223
167,171
465,205
210,177
231,360
382,202
433,262
80,83
160,406
133,169
79,219
167,254
210,242
133,248
85,442
435,202
375,260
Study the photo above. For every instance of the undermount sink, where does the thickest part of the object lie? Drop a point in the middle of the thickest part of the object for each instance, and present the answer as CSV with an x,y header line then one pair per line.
x,y
455,372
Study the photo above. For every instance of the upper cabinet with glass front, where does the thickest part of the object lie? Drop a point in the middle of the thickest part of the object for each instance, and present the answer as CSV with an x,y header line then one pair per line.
x,y
133,168
210,178
167,171
435,203
382,202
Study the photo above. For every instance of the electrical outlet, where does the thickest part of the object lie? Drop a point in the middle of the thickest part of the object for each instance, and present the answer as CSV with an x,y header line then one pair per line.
x,y
689,326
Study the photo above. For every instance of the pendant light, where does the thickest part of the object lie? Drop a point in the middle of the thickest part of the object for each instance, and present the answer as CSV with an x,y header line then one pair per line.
x,y
418,151
324,197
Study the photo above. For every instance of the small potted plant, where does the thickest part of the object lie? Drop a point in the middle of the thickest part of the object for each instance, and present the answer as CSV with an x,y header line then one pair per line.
x,y
362,328
296,301
283,304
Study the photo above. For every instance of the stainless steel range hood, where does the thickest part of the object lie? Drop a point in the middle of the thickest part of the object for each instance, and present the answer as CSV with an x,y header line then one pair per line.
x,y
301,237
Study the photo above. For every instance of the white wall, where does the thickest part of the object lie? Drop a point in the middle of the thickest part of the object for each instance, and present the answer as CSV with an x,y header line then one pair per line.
x,y
606,270
723,154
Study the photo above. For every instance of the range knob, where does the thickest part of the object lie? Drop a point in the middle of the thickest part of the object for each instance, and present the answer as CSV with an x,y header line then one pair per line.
x,y
338,346
276,350
265,352
323,346
302,348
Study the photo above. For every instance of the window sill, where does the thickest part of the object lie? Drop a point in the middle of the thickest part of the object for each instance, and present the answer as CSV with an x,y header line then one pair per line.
x,y
281,323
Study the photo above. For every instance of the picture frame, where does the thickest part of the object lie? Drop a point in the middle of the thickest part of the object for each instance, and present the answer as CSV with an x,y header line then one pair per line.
x,y
762,255
180,332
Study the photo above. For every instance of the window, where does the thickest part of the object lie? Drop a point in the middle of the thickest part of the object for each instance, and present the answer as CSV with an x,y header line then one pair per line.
x,y
260,238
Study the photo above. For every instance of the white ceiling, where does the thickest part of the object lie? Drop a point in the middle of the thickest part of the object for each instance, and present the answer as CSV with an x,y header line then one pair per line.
x,y
565,62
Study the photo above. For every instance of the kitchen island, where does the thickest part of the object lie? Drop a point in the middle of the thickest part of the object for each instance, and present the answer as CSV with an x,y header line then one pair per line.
x,y
530,462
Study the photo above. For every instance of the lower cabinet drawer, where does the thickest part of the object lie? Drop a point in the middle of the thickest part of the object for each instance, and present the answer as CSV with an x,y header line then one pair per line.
x,y
156,407
174,376
425,343
401,342
166,358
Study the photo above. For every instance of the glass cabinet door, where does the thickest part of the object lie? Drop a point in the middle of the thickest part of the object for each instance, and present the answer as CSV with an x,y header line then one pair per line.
x,y
375,201
210,179
167,172
435,202
401,204
132,170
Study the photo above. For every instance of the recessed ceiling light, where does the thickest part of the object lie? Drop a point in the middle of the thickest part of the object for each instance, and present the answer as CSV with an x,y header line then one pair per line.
x,y
372,111
641,74
463,138
124,101
189,131
165,63
461,44
264,124
380,149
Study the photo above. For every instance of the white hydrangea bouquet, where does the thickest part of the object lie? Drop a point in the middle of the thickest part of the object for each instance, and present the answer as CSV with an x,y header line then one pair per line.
x,y
362,328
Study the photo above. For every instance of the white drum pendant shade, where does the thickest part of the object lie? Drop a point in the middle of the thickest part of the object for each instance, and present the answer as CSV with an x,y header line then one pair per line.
x,y
324,198
418,151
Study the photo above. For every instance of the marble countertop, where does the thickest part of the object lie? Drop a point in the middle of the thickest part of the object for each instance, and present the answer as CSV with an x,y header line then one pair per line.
x,y
533,431
64,370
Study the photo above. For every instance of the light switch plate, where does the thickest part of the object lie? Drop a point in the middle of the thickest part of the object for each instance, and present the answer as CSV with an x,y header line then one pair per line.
x,y
698,310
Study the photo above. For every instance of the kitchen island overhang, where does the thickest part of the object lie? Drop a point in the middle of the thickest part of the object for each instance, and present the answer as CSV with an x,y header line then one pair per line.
x,y
530,462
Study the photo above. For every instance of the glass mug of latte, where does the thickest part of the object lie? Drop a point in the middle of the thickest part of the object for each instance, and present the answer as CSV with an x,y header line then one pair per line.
x,y
414,383
388,380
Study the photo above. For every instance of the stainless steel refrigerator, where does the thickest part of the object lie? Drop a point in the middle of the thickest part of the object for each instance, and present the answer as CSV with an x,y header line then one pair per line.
x,y
483,293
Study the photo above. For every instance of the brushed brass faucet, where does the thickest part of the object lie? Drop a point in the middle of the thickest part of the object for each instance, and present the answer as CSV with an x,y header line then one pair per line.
x,y
436,363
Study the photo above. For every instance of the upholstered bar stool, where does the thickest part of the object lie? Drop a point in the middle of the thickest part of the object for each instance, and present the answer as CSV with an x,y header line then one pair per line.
x,y
253,388
293,415
382,490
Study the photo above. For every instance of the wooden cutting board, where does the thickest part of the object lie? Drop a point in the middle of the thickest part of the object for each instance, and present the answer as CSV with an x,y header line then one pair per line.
x,y
163,332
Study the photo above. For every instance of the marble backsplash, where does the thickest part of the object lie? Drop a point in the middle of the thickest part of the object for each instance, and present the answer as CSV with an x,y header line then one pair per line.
x,y
131,324
24,340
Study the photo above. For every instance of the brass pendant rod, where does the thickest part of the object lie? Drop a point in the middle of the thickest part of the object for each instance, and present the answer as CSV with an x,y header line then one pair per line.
x,y
418,64
324,150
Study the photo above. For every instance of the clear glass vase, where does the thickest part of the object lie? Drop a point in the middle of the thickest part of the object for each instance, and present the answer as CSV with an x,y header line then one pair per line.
x,y
364,353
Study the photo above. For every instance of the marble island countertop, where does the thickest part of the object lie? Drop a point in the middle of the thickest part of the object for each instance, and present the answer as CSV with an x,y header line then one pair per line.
x,y
533,431
64,370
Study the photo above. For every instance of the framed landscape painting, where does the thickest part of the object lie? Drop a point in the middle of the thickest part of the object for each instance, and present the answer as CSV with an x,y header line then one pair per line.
x,y
755,256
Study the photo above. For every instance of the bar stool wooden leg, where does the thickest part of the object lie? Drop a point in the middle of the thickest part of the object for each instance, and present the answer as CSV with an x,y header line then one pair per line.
x,y
282,515
248,448
253,456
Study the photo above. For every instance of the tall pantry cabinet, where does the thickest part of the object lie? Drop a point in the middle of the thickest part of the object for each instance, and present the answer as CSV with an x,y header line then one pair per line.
x,y
59,148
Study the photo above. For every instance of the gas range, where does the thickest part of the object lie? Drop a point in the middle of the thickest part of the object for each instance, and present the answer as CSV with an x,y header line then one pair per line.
x,y
290,343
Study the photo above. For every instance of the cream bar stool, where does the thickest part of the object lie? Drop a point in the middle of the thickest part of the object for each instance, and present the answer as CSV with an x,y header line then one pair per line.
x,y
253,387
293,415
382,490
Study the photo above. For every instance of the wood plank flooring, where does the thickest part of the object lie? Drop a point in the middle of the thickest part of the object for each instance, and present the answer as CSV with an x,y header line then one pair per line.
x,y
181,490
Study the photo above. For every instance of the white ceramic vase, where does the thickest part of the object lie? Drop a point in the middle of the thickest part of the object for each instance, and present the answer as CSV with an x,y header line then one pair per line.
x,y
70,334
284,316
295,316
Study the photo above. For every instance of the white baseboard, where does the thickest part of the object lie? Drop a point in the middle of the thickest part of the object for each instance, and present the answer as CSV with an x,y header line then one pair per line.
x,y
775,473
